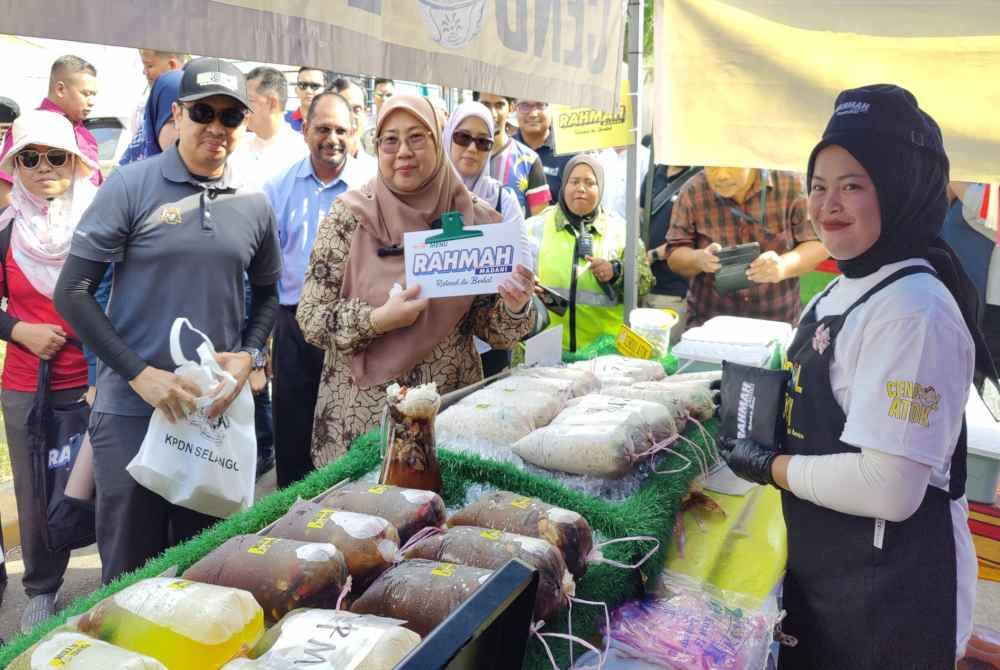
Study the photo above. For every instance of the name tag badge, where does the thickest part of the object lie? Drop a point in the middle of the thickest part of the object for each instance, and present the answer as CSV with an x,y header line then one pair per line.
x,y
879,533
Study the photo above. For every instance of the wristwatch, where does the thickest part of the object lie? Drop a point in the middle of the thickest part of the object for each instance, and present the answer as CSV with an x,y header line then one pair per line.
x,y
257,357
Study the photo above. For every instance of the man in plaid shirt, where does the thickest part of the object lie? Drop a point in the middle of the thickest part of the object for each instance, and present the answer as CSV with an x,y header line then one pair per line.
x,y
723,207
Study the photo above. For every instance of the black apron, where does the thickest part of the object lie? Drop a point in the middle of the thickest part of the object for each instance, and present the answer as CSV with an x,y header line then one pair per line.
x,y
854,605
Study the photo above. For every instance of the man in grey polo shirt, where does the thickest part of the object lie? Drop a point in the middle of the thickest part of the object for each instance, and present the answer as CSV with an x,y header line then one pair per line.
x,y
182,238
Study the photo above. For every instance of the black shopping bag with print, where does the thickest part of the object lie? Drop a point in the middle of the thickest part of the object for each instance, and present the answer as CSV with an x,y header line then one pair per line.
x,y
56,432
752,403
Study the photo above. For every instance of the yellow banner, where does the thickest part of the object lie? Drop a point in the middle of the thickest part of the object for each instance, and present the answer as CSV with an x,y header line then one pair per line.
x,y
580,129
558,51
751,83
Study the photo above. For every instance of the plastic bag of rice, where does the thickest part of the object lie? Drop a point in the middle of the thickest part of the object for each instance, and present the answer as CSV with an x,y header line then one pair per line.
x,y
681,398
598,408
595,439
483,422
708,376
330,640
636,369
541,406
584,381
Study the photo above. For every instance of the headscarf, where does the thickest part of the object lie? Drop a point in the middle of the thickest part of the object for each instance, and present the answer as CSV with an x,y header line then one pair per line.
x,y
166,89
901,148
576,220
43,229
384,214
482,185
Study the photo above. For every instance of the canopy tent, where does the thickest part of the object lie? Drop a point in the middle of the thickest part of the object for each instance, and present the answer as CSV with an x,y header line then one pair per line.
x,y
566,51
751,83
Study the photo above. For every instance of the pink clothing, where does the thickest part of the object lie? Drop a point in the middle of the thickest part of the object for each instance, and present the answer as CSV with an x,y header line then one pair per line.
x,y
84,139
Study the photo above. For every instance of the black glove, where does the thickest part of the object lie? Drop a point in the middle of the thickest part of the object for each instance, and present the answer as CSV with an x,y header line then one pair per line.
x,y
716,386
748,460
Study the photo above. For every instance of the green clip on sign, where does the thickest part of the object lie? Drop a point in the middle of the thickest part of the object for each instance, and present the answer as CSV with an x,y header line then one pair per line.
x,y
452,229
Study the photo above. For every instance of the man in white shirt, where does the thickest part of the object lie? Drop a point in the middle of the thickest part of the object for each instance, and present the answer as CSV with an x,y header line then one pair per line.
x,y
272,146
615,162
364,148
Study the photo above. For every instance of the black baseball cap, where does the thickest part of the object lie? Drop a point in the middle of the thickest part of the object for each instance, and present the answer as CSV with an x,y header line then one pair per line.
x,y
205,77
9,110
883,111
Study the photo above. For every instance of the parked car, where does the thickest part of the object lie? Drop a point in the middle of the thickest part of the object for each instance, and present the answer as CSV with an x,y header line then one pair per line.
x,y
112,139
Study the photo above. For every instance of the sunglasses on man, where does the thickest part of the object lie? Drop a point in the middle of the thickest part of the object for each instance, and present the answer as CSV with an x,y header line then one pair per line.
x,y
308,86
464,139
30,158
230,117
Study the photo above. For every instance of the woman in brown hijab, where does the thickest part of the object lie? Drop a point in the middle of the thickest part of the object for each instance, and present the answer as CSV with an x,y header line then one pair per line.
x,y
372,339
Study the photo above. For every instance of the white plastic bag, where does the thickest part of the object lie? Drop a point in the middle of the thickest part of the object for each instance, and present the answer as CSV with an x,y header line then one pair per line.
x,y
204,465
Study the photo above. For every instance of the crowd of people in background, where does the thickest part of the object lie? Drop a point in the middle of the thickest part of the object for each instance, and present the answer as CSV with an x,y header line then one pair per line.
x,y
278,233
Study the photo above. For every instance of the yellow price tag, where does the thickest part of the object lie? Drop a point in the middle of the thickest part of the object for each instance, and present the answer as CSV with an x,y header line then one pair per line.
x,y
179,585
632,344
319,521
63,658
263,546
445,570
521,503
493,535
378,490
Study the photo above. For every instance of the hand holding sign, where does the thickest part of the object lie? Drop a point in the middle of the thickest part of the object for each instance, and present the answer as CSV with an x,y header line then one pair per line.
x,y
516,290
399,311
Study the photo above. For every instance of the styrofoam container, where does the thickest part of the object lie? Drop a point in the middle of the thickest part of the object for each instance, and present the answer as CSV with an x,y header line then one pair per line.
x,y
654,325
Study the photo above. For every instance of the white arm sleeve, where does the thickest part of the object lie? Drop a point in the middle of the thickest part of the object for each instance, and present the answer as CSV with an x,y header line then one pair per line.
x,y
870,484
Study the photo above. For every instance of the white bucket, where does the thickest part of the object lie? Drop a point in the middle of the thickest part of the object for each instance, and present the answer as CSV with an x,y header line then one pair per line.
x,y
654,325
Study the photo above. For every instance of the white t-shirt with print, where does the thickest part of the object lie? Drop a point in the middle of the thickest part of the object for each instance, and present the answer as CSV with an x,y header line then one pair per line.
x,y
902,368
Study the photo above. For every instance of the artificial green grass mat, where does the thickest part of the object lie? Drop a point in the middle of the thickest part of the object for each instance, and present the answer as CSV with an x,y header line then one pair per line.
x,y
650,511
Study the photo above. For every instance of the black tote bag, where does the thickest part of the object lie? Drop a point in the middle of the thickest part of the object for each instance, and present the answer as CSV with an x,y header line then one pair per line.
x,y
753,403
55,432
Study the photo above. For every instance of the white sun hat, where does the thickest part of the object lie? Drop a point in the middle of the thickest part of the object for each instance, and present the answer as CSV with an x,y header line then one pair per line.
x,y
43,128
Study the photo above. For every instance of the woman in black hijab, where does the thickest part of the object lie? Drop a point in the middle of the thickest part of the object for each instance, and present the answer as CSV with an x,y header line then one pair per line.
x,y
881,568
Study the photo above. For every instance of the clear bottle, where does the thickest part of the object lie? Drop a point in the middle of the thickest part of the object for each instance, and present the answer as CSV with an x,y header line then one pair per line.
x,y
410,454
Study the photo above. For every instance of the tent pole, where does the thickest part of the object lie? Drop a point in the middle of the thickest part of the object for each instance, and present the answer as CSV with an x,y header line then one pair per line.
x,y
635,33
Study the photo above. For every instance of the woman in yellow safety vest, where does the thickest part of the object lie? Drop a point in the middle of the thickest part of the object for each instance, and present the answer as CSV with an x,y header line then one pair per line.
x,y
581,251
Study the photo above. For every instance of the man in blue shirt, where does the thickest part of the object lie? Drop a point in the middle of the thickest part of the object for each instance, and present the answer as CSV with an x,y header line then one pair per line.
x,y
301,198
534,118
